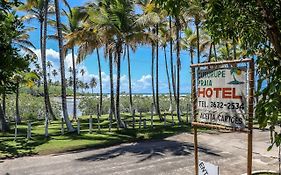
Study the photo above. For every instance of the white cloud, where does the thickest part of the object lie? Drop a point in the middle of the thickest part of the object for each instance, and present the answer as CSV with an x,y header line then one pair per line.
x,y
141,85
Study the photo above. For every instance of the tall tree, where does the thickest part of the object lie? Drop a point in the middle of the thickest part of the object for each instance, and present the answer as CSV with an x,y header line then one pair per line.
x,y
62,69
39,9
93,84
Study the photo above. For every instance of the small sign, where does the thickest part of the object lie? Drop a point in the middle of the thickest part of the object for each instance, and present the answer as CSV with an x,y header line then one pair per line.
x,y
206,168
221,96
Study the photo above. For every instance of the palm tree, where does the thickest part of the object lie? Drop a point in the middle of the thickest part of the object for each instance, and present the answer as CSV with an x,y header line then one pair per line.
x,y
39,9
62,69
149,13
74,17
163,43
54,72
22,41
93,84
175,9
49,65
82,72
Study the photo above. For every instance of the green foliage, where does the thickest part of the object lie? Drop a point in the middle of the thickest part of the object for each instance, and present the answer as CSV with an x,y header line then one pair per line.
x,y
256,25
88,105
30,107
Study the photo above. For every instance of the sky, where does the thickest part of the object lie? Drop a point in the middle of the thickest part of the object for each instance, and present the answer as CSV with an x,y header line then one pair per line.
x,y
140,64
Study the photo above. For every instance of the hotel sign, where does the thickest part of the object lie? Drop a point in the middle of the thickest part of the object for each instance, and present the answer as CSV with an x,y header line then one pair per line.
x,y
221,96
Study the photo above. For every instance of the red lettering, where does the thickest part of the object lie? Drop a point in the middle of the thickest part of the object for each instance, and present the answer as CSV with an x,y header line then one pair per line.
x,y
217,90
201,92
209,92
234,94
226,93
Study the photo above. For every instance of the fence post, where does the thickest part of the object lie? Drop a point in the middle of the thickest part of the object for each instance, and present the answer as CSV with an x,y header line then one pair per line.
x,y
98,116
152,113
134,120
173,122
16,128
165,119
140,120
144,123
91,124
110,120
187,113
78,126
29,130
62,126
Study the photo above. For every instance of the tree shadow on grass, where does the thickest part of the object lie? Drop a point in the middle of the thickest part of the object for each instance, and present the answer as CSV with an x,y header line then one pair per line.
x,y
150,149
21,147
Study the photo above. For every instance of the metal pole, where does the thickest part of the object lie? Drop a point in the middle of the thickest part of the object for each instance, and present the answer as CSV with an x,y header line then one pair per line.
x,y
194,104
250,112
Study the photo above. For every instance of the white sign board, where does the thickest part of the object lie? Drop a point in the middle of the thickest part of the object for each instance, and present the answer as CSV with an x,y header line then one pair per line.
x,y
206,168
221,96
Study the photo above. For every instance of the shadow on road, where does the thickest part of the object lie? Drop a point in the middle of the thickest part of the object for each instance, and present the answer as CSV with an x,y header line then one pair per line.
x,y
149,150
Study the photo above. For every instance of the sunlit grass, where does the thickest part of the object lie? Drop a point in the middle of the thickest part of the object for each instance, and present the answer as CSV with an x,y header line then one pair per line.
x,y
57,143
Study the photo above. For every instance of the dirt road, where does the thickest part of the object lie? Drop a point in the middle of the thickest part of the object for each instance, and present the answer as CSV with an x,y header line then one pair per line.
x,y
173,156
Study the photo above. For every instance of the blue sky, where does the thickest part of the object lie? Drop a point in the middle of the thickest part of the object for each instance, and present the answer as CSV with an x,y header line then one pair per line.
x,y
140,65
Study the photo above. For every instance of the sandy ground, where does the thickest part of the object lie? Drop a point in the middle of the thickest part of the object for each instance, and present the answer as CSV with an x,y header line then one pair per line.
x,y
173,155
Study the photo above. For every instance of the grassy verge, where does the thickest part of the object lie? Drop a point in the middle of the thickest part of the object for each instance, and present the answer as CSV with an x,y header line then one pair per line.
x,y
57,143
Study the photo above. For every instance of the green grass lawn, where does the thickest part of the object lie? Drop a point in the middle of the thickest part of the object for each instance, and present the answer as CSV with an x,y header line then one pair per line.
x,y
56,143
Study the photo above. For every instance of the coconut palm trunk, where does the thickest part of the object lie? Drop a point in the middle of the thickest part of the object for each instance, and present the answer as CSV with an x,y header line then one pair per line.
x,y
43,40
152,75
168,78
62,69
178,67
118,65
43,60
198,41
112,104
172,60
157,73
130,80
100,80
74,85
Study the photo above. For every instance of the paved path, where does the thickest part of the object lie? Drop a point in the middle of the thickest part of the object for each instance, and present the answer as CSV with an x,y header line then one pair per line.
x,y
173,156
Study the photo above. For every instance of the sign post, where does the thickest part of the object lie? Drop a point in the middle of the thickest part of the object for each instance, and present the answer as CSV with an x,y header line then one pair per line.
x,y
219,99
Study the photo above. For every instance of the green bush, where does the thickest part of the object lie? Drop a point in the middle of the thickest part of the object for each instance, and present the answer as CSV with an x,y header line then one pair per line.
x,y
88,105
30,107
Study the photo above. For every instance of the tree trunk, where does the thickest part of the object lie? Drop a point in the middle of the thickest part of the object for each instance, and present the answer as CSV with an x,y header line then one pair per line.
x,y
157,74
100,80
130,79
62,69
172,60
168,78
117,106
215,51
112,104
227,50
210,52
43,38
4,127
234,48
178,67
198,42
18,118
74,84
4,102
152,75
